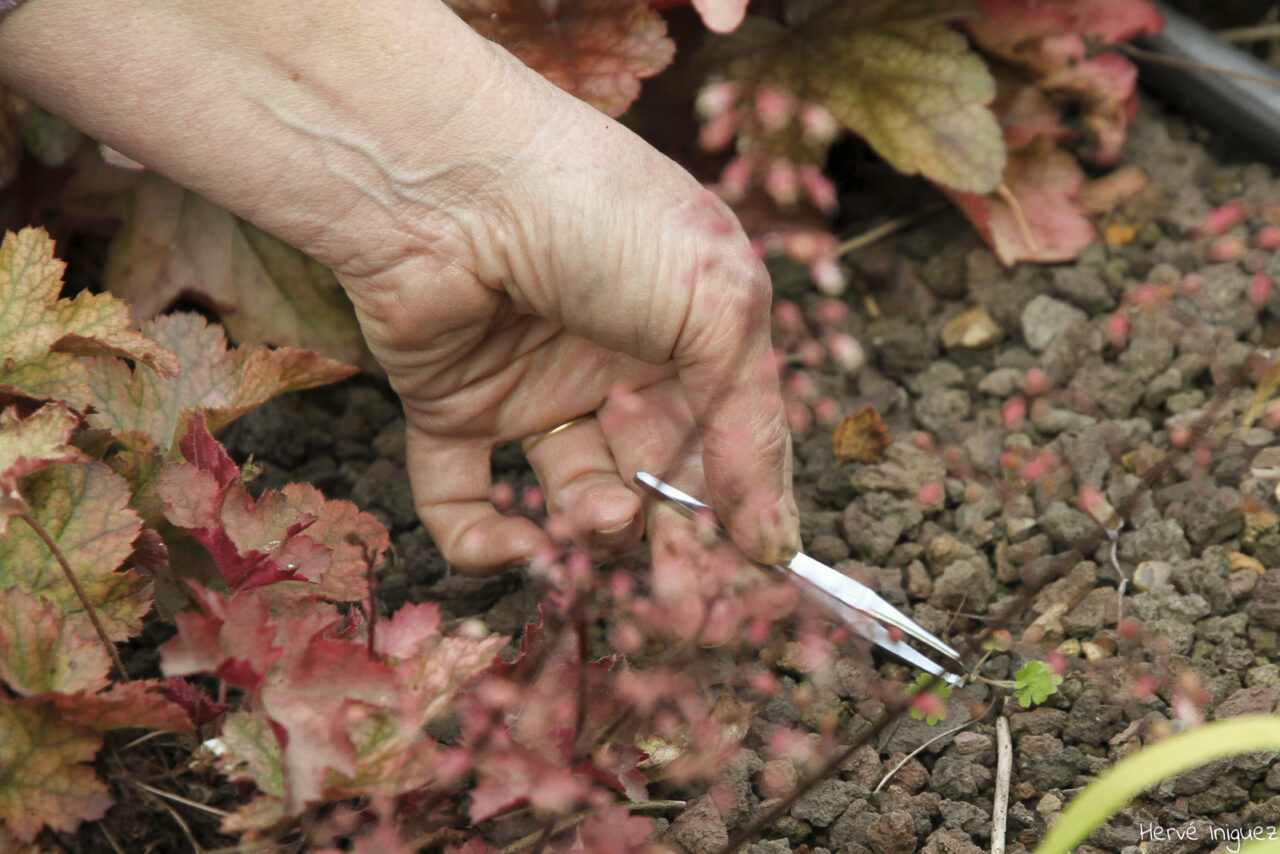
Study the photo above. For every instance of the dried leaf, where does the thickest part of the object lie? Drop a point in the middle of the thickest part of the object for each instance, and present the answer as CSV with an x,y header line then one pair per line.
x,y
892,71
861,437
39,331
1035,217
598,50
1262,394
43,778
85,508
173,243
225,383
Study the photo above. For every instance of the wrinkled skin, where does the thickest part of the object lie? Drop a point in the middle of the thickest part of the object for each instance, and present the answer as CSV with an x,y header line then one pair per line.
x,y
517,259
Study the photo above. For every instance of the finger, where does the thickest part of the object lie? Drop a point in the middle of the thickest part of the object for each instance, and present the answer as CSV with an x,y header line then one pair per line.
x,y
730,381
652,430
451,482
580,479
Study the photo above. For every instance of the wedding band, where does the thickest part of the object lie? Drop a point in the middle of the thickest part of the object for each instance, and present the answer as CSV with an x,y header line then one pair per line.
x,y
529,444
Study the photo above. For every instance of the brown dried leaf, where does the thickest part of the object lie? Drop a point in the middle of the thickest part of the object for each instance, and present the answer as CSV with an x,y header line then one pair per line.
x,y
861,437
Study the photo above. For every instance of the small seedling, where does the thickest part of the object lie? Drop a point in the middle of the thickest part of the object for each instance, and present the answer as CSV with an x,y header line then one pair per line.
x,y
927,705
1035,683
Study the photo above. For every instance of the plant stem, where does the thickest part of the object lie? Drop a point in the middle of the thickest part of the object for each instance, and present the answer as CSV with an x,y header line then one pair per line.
x,y
1191,65
80,594
907,758
1256,33
1004,769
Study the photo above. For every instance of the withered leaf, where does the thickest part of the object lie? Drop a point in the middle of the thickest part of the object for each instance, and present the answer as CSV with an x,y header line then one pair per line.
x,y
861,437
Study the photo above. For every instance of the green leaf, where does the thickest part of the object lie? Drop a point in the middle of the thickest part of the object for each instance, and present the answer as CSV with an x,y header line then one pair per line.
x,y
40,334
938,688
84,508
1156,762
252,753
1036,682
43,778
43,650
891,71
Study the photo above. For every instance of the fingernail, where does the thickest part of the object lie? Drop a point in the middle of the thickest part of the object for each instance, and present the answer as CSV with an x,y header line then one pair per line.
x,y
780,532
618,535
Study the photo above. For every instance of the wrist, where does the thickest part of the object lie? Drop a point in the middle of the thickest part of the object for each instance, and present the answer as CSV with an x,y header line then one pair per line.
x,y
326,123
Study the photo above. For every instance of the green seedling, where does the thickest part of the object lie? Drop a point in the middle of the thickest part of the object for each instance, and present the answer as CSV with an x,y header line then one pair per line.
x,y
932,712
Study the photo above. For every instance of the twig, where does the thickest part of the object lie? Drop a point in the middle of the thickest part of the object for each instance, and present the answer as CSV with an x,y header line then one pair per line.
x,y
895,769
1004,769
1020,219
80,594
111,840
884,229
1255,33
1191,65
196,805
181,822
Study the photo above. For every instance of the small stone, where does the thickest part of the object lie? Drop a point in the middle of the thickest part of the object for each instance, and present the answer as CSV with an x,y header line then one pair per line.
x,y
1100,607
1153,575
1082,286
1045,319
972,329
1254,700
958,778
949,841
942,408
699,829
828,549
893,833
1112,389
919,584
824,803
770,846
1002,382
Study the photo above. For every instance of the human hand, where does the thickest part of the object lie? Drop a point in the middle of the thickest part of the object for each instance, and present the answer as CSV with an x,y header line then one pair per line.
x,y
516,258
592,276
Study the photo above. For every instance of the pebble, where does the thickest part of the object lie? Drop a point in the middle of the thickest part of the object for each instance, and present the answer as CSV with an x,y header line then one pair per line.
x,y
972,329
1046,319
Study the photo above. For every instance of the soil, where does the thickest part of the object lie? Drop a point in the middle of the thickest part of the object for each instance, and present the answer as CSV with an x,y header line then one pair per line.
x,y
1197,559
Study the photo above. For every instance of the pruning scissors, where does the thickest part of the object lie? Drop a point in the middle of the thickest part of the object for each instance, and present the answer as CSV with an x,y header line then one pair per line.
x,y
855,604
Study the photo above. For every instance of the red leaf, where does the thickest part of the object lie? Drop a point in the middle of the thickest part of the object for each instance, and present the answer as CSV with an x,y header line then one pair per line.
x,y
1053,40
294,535
311,685
615,830
198,705
598,50
1045,224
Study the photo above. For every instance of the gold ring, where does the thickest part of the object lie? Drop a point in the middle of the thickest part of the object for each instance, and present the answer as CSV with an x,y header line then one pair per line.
x,y
529,444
